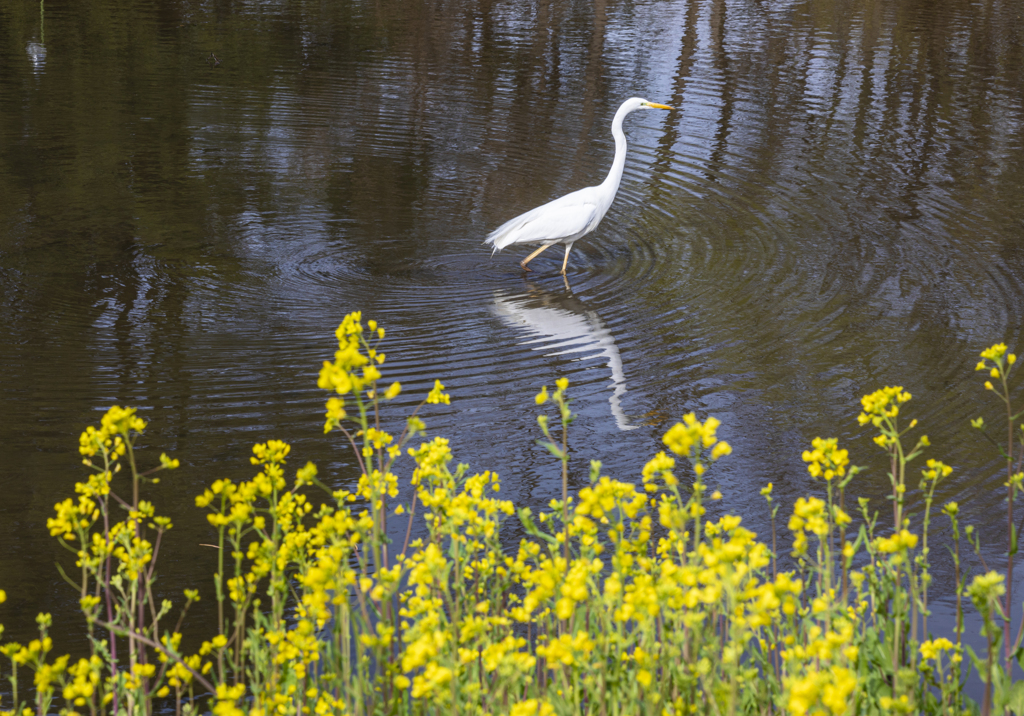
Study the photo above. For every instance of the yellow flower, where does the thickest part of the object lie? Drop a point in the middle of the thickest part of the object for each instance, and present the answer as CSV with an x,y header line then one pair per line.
x,y
932,649
532,707
721,449
882,404
936,470
836,694
227,700
987,588
438,396
899,542
803,693
690,437
809,514
995,354
167,463
567,650
660,466
826,459
432,678
901,705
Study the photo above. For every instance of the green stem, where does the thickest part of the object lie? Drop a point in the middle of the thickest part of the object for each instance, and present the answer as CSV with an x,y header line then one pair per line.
x,y
1011,538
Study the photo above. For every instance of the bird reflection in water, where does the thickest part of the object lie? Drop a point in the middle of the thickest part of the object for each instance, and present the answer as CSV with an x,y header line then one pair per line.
x,y
559,324
37,54
37,50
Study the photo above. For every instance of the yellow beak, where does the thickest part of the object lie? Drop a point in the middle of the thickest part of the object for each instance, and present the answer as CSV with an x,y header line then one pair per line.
x,y
659,106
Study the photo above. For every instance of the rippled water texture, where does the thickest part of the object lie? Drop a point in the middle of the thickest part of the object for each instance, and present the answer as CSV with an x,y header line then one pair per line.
x,y
192,195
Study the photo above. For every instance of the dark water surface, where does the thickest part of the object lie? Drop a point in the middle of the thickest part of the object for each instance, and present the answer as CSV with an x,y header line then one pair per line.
x,y
192,195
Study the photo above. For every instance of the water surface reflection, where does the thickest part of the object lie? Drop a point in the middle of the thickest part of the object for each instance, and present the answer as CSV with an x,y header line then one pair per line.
x,y
559,324
192,195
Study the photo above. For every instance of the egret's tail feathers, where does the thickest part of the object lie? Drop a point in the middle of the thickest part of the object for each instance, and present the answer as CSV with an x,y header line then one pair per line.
x,y
506,234
495,240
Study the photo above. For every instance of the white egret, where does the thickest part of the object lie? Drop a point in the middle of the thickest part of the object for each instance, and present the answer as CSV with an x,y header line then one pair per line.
x,y
572,216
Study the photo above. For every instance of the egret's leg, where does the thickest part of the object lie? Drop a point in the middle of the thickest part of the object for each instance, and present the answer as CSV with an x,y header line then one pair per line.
x,y
531,257
565,261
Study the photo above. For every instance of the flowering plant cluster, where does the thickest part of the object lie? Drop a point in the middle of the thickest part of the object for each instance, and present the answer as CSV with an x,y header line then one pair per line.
x,y
624,598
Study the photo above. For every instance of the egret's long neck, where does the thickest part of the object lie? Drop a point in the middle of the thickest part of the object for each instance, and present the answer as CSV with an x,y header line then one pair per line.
x,y
615,173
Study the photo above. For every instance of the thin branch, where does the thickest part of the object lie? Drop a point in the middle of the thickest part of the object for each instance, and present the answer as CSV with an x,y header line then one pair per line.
x,y
408,530
162,649
358,454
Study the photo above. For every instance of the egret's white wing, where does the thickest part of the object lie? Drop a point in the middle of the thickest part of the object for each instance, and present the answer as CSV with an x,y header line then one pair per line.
x,y
570,216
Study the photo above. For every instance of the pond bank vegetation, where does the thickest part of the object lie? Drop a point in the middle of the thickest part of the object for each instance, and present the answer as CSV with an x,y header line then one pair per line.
x,y
622,599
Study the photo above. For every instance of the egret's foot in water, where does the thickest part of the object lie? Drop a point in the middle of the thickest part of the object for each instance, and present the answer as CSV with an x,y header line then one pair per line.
x,y
531,256
565,261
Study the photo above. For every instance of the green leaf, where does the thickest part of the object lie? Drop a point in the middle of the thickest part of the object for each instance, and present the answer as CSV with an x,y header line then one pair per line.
x,y
1016,700
979,664
552,448
525,516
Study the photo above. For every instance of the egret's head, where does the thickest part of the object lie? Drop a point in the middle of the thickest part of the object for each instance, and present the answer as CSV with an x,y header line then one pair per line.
x,y
644,104
640,103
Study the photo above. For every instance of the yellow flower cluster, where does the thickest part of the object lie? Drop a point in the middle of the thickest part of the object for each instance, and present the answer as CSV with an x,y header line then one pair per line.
x,y
883,403
936,470
86,675
831,688
987,588
404,595
115,425
933,648
568,650
997,360
996,354
826,460
691,438
899,542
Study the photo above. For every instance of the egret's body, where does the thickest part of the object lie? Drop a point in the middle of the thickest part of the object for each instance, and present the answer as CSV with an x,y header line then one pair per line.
x,y
574,215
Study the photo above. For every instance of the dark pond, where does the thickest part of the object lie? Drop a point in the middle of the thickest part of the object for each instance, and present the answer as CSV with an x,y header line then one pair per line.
x,y
193,194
